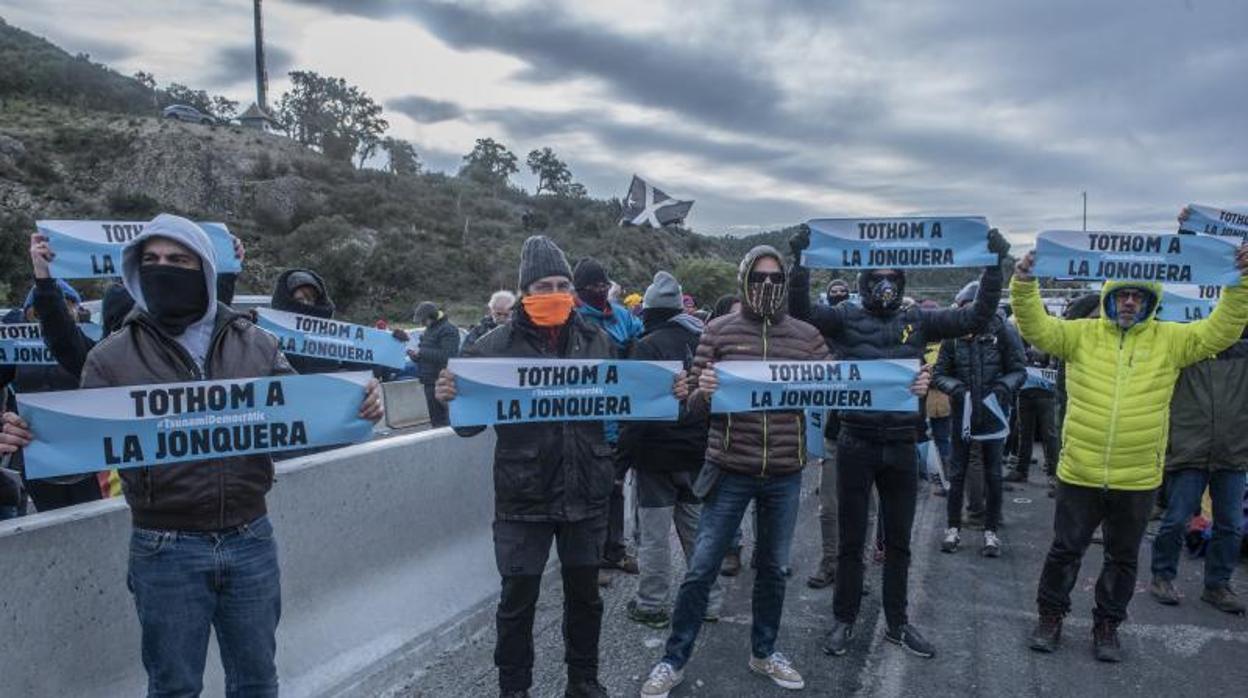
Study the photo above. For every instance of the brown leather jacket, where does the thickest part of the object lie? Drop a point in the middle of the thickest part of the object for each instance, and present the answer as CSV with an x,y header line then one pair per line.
x,y
755,443
206,495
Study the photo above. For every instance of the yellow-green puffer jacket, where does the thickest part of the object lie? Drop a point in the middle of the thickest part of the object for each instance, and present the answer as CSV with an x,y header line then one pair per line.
x,y
1119,382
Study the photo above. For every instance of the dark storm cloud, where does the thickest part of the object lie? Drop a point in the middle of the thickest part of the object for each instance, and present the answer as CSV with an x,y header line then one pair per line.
x,y
424,110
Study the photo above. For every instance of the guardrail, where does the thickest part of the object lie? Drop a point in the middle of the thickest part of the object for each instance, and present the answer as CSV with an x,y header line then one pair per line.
x,y
381,544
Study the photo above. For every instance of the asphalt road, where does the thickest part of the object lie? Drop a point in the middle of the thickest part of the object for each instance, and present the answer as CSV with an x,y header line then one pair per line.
x,y
978,611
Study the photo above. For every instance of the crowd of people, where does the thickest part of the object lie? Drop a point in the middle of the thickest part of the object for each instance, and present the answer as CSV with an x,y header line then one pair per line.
x,y
1142,419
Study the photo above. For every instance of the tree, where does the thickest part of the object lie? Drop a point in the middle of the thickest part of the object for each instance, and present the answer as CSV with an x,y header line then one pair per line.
x,y
331,115
177,93
706,278
552,173
146,79
489,163
224,108
576,190
403,158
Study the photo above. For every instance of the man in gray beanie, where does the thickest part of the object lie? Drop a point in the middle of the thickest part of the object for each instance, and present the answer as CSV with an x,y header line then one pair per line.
x,y
666,457
552,480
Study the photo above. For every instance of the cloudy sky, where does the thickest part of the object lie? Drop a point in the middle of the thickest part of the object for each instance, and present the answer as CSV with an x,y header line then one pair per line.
x,y
768,112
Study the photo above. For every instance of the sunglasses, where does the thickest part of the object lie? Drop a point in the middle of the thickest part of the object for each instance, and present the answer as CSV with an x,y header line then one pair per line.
x,y
758,277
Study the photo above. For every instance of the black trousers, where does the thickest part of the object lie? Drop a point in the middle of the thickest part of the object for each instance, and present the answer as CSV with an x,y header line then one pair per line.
x,y
989,471
615,549
1037,415
521,549
1122,516
439,415
892,468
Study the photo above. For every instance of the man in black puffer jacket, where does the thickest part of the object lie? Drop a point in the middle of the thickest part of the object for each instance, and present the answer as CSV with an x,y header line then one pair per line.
x,y
971,370
439,343
878,448
666,457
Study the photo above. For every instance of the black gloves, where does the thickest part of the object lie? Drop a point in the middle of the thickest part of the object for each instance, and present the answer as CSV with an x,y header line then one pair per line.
x,y
799,242
998,244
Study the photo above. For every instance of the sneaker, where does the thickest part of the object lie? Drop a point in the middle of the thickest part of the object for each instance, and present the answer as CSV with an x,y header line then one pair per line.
x,y
824,578
653,619
778,668
1015,476
1105,643
585,688
909,638
1163,590
992,545
951,541
663,678
1048,633
836,642
1224,599
731,566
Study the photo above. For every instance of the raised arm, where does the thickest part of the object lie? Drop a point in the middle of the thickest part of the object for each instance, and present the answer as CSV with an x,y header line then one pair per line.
x,y
1205,338
951,323
1045,332
61,333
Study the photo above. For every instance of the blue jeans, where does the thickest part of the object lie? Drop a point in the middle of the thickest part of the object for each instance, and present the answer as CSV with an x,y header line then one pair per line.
x,y
188,582
776,500
1226,489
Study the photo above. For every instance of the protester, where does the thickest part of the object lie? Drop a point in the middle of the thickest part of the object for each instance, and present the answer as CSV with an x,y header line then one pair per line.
x,y
939,419
1037,416
973,371
594,305
1208,448
1121,371
837,292
689,304
551,480
666,457
725,305
825,574
439,343
878,448
202,552
498,313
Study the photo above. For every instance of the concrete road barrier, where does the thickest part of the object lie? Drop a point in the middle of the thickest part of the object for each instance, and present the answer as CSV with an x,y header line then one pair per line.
x,y
381,544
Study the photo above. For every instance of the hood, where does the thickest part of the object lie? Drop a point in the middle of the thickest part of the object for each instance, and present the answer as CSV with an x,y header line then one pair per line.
x,y
864,290
743,274
283,300
1109,315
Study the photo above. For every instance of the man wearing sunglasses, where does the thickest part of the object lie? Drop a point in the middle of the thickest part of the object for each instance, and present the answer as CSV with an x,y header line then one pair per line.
x,y
878,448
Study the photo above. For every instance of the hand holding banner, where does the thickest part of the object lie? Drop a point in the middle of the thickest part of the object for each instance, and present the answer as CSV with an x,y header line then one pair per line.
x,y
83,431
514,390
1163,258
305,335
1215,221
22,344
1187,302
92,249
755,386
898,243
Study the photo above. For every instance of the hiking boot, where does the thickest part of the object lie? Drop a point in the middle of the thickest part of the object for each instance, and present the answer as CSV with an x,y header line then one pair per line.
x,y
1163,590
836,642
585,688
778,668
1048,633
1105,643
731,566
908,637
663,678
1224,599
951,541
824,578
653,619
1015,476
992,545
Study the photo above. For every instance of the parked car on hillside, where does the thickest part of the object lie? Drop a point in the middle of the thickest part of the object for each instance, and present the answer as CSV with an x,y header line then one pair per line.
x,y
181,112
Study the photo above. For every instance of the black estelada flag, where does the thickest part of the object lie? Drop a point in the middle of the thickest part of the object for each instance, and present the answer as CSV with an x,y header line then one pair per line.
x,y
647,205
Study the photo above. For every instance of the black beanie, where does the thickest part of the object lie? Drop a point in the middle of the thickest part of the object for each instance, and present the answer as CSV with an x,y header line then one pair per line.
x,y
587,273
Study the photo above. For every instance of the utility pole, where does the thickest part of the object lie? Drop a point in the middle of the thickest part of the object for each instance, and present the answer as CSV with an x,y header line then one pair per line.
x,y
1085,203
262,75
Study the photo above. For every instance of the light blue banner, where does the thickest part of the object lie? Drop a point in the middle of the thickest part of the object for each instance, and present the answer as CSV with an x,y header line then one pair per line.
x,y
898,243
83,431
514,390
1040,379
815,421
304,335
755,386
22,344
1215,221
92,249
1187,303
1171,258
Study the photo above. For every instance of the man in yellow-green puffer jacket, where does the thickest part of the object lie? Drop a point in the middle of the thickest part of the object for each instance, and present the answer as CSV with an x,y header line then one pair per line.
x,y
1121,370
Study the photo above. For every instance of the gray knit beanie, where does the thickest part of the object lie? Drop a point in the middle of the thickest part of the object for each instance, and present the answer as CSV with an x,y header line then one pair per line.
x,y
541,257
663,292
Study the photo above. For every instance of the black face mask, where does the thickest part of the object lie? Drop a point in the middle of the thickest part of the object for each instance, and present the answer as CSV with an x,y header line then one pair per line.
x,y
594,297
324,311
176,297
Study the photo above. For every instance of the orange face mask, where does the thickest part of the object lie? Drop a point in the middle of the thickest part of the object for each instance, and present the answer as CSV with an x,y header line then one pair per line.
x,y
548,309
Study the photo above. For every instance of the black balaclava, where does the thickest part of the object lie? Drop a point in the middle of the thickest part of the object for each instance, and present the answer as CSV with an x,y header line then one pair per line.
x,y
321,308
589,272
879,295
838,292
176,297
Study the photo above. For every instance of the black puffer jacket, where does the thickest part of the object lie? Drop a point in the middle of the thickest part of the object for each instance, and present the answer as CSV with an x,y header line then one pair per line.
x,y
667,446
439,343
548,471
324,308
992,361
1209,414
902,334
479,330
